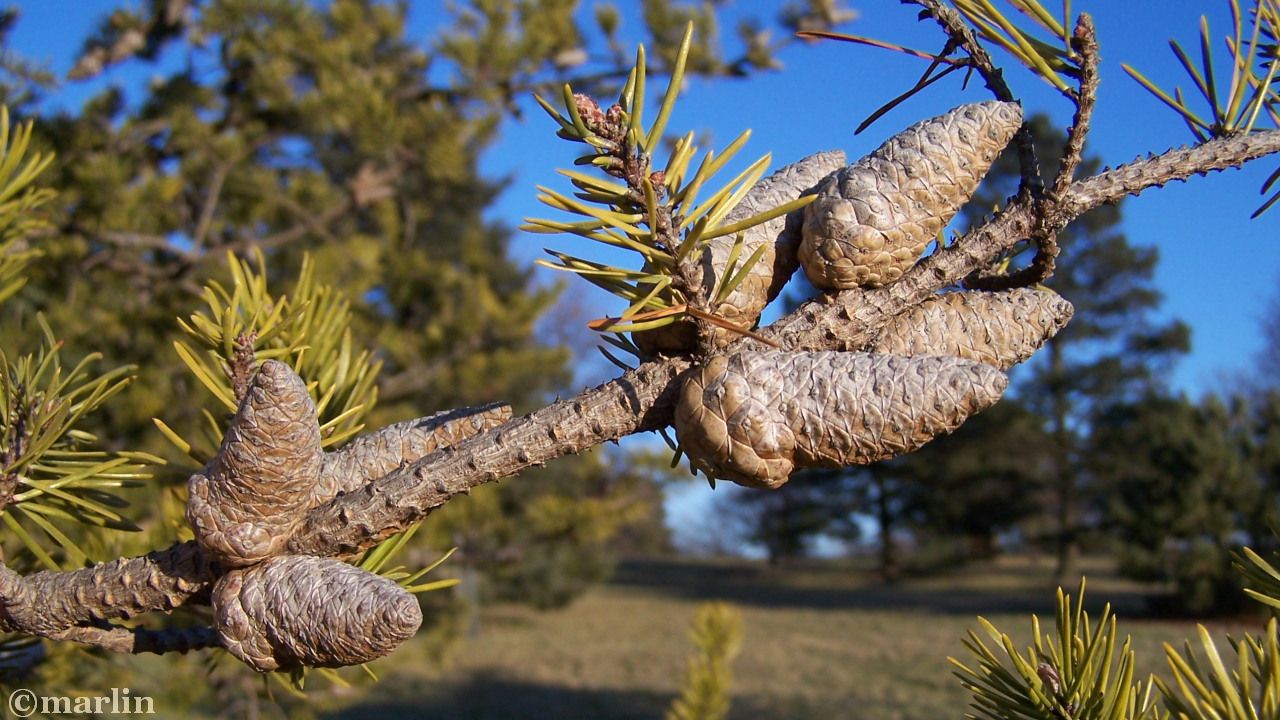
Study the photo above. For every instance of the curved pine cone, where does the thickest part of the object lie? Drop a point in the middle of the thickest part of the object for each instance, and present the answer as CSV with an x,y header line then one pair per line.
x,y
295,611
251,496
1000,329
754,417
872,221
781,236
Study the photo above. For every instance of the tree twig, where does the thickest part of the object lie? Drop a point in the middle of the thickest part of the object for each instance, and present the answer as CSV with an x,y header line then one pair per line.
x,y
1085,42
211,198
1041,267
962,35
50,602
135,641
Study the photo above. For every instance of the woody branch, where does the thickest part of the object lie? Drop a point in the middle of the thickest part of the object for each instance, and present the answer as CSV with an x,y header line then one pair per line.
x,y
403,483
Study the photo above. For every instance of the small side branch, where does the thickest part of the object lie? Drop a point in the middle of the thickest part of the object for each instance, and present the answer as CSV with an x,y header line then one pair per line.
x,y
375,454
1042,266
135,641
1085,42
962,35
32,606
212,195
50,602
1155,171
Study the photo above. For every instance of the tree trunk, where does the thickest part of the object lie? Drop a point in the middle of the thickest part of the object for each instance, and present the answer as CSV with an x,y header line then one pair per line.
x,y
888,566
982,545
1064,479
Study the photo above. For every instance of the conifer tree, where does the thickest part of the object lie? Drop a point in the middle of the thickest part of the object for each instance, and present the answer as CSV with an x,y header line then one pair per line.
x,y
326,130
1176,489
899,350
1111,350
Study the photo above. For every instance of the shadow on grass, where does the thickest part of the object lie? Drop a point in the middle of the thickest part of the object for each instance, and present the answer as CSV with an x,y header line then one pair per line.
x,y
486,696
757,585
491,697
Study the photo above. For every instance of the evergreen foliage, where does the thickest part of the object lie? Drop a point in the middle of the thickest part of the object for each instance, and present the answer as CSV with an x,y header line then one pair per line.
x,y
1110,351
717,636
1175,485
1076,671
251,164
978,482
658,214
56,474
788,521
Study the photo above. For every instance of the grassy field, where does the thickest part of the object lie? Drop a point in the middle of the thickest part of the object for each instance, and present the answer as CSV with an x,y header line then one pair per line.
x,y
819,642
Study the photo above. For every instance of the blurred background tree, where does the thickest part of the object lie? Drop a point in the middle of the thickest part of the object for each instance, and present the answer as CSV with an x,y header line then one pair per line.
x,y
297,128
1176,491
1023,464
322,128
1115,346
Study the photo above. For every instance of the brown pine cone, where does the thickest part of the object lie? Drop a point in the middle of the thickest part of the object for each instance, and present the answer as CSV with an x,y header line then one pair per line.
x,y
293,611
781,238
872,220
754,417
251,496
1000,329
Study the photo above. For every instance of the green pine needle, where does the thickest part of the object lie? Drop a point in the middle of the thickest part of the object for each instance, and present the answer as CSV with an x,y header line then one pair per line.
x,y
717,637
735,275
50,465
1250,91
308,329
649,215
759,218
1205,687
1074,673
634,104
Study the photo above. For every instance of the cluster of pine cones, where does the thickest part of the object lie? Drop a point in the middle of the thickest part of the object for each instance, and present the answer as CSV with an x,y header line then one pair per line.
x,y
754,417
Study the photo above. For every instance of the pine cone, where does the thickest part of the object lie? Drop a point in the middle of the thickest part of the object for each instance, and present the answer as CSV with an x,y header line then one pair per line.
x,y
754,417
1000,329
781,236
872,221
251,496
295,611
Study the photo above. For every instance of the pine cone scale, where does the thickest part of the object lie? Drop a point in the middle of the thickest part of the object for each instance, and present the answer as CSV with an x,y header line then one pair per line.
x,y
295,611
873,219
754,417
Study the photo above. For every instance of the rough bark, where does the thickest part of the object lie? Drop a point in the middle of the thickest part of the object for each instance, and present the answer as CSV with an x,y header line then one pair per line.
x,y
371,456
49,603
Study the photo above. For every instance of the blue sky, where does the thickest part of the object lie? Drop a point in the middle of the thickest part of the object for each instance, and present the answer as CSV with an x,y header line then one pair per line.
x,y
1217,267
